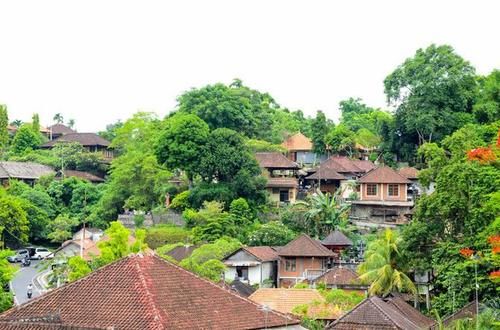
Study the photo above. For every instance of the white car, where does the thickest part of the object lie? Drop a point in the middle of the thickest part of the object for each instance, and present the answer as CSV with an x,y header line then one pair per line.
x,y
42,253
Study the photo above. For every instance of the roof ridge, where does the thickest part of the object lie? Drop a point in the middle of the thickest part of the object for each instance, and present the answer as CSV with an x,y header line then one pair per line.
x,y
218,286
317,243
387,315
245,248
365,301
53,291
148,295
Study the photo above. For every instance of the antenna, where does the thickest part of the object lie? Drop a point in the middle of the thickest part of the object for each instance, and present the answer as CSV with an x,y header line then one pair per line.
x,y
266,309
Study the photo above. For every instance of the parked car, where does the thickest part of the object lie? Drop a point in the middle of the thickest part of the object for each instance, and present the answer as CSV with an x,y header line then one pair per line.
x,y
19,256
40,253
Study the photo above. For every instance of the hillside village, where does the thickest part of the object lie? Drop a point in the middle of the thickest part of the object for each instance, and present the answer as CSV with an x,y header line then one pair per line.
x,y
234,212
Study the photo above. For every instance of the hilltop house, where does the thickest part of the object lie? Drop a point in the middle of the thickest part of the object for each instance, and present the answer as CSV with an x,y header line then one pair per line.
x,y
339,172
303,259
376,313
90,141
300,150
383,198
58,130
24,171
252,265
280,172
142,292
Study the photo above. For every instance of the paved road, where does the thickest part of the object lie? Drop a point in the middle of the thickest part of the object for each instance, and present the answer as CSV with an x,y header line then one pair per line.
x,y
23,277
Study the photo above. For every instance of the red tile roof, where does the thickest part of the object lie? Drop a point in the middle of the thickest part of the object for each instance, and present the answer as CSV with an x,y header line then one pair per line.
x,y
326,173
305,246
282,183
365,165
409,312
263,253
409,172
147,292
374,313
339,276
383,174
274,160
298,142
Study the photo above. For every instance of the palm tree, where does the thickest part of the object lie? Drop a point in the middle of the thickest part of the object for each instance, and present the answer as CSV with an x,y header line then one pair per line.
x,y
379,267
325,212
58,118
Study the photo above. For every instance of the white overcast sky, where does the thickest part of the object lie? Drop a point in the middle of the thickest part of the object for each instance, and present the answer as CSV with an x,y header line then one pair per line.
x,y
99,61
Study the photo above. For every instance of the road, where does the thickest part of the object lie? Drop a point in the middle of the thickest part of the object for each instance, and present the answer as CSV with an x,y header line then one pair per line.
x,y
22,278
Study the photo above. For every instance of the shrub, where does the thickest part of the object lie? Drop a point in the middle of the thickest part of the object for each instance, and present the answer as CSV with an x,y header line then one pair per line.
x,y
164,234
181,201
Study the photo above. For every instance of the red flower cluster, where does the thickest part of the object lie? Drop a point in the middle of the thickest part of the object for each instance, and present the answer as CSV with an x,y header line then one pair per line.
x,y
495,243
483,155
495,275
466,252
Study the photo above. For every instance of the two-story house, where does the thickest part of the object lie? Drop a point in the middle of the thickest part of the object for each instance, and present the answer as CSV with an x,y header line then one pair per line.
x,y
281,174
300,150
90,141
303,259
383,199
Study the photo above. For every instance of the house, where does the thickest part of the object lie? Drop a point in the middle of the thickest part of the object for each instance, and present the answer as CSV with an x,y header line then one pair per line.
x,y
377,314
94,234
337,242
58,130
142,292
90,141
342,278
281,174
27,172
289,301
85,248
339,172
415,189
302,259
83,175
467,312
252,265
383,199
300,149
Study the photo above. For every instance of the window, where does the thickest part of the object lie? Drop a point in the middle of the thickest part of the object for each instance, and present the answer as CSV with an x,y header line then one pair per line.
x,y
371,189
290,264
393,190
276,190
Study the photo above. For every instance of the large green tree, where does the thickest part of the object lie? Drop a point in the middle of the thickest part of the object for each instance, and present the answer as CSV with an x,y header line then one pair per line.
x,y
181,143
319,128
26,139
433,93
4,133
235,107
487,107
14,225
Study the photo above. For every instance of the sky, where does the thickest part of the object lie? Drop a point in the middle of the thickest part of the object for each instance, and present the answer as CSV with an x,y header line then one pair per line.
x,y
100,61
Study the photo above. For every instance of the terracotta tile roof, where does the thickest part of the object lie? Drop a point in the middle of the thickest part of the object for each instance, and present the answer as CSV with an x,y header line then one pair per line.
x,y
24,170
85,139
374,313
409,172
326,173
409,312
147,292
285,300
365,165
339,276
282,183
274,160
342,164
305,246
466,312
83,175
383,174
263,253
336,237
60,129
23,325
298,142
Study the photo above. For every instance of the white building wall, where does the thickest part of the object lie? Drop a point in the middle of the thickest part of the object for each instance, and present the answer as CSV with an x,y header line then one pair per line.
x,y
254,275
267,270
